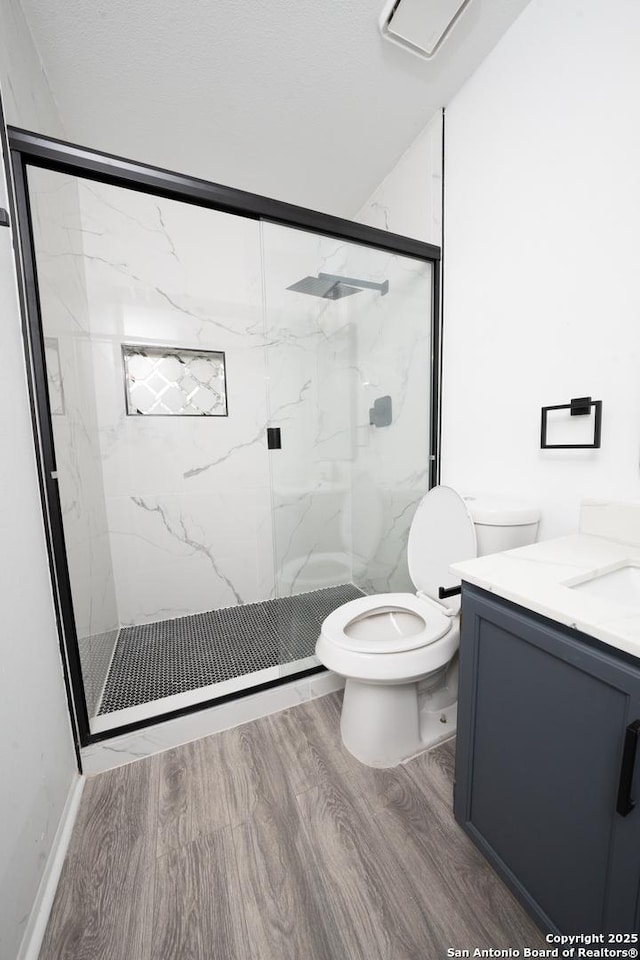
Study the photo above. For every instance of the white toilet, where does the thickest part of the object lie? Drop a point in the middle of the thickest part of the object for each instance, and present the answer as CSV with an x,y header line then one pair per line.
x,y
397,651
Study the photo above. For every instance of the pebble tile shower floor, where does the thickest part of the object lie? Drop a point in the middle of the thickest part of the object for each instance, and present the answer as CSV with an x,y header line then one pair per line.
x,y
155,660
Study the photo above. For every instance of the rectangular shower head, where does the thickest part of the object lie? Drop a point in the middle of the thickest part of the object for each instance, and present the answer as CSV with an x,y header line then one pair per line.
x,y
326,287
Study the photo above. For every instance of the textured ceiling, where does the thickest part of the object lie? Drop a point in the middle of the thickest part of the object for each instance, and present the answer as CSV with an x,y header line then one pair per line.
x,y
296,99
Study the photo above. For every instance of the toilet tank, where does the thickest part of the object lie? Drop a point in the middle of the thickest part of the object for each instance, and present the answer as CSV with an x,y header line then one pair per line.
x,y
502,524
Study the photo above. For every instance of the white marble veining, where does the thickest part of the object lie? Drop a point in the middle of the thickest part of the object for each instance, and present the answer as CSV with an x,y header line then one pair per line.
x,y
393,358
540,577
136,271
346,353
309,393
187,499
171,733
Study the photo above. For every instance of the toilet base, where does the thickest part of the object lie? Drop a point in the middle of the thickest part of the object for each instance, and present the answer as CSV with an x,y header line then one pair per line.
x,y
384,724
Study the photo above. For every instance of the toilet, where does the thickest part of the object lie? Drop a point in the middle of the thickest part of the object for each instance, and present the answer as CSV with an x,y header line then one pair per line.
x,y
397,651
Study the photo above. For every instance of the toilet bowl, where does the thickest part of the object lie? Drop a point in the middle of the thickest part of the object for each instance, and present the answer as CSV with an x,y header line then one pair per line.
x,y
397,651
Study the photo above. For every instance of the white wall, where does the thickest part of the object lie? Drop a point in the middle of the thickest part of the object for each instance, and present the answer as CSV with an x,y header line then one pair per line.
x,y
541,300
36,750
542,246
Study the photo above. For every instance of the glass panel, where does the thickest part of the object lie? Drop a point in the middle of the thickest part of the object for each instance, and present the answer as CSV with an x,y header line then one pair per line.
x,y
201,562
349,353
167,519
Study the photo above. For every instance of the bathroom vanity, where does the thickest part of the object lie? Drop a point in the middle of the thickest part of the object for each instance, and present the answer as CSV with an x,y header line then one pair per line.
x,y
549,722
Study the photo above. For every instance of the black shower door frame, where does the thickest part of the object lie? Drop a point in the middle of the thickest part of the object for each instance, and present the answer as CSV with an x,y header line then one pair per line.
x,y
27,149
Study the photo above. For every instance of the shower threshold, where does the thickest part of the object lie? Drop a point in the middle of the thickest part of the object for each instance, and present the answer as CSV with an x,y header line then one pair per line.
x,y
171,664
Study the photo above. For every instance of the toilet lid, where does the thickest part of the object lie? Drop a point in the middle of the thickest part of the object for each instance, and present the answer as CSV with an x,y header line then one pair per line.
x,y
442,533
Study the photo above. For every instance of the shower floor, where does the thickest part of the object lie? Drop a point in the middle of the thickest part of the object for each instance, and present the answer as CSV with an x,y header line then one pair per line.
x,y
156,660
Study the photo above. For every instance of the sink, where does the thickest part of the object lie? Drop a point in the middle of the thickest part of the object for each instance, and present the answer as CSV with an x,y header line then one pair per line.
x,y
621,586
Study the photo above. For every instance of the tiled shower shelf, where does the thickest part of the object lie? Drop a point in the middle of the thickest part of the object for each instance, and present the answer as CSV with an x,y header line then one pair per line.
x,y
167,381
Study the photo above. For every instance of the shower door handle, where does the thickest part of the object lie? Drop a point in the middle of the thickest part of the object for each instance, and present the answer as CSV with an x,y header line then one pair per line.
x,y
274,440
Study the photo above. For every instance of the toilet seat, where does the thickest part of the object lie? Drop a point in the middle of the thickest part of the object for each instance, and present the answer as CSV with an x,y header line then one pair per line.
x,y
419,623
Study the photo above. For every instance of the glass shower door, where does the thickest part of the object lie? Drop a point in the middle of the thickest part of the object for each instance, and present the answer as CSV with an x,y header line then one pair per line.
x,y
240,415
152,318
348,359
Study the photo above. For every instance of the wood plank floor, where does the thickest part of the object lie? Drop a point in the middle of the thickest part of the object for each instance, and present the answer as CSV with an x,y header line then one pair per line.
x,y
270,842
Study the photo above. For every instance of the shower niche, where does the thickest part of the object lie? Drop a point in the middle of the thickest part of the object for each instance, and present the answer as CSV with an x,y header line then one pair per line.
x,y
201,559
173,381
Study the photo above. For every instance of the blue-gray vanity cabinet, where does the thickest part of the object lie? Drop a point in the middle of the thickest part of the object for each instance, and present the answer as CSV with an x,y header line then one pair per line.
x,y
545,733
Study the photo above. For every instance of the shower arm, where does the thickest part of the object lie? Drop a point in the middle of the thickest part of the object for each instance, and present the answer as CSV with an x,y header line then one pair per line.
x,y
352,282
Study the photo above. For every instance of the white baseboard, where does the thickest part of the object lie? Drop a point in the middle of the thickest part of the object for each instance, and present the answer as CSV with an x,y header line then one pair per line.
x,y
37,923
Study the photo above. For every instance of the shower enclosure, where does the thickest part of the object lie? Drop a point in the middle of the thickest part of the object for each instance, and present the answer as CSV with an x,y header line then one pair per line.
x,y
236,402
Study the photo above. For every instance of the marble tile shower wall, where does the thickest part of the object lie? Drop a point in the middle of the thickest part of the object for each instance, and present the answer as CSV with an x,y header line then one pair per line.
x,y
65,313
193,513
345,492
187,498
391,464
192,522
310,367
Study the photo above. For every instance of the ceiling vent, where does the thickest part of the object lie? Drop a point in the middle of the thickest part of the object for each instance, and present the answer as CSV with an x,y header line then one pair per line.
x,y
420,25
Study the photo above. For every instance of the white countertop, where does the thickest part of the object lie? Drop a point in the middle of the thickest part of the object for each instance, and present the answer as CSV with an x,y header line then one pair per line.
x,y
540,576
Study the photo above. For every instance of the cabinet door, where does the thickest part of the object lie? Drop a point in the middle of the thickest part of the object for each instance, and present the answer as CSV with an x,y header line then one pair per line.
x,y
541,733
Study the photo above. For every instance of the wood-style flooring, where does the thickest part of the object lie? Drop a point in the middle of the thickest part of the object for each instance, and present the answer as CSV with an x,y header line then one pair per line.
x,y
270,842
